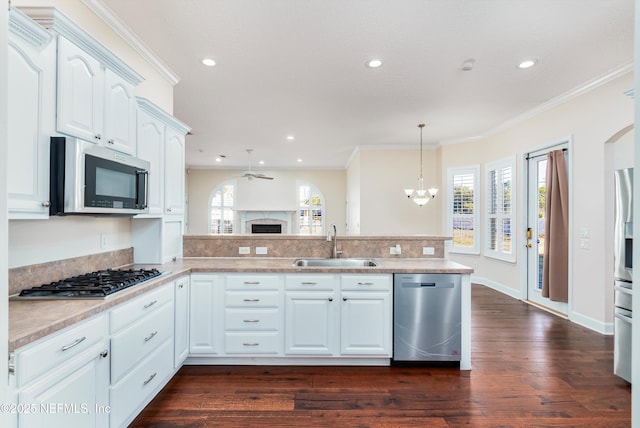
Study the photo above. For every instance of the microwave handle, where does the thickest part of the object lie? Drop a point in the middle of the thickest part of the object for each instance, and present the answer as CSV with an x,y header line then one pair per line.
x,y
144,173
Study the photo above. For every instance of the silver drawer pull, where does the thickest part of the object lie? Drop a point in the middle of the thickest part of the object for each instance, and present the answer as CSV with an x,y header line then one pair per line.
x,y
251,344
151,336
252,283
146,382
365,283
309,283
251,321
76,343
148,305
251,300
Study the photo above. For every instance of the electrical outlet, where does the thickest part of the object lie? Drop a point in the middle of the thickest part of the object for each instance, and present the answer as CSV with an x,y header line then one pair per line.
x,y
428,251
261,250
103,241
244,250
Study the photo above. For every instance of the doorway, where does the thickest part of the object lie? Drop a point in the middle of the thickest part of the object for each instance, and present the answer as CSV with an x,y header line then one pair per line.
x,y
536,163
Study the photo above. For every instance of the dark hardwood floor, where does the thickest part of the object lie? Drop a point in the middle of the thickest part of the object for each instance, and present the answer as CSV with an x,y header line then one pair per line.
x,y
530,369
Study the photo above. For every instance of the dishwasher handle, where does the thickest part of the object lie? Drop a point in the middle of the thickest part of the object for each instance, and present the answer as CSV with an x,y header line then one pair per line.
x,y
428,284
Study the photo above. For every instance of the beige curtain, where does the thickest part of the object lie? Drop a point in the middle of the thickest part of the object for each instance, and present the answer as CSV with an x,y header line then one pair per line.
x,y
555,270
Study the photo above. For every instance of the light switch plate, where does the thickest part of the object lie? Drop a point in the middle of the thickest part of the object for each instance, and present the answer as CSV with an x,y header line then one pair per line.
x,y
428,251
244,250
261,250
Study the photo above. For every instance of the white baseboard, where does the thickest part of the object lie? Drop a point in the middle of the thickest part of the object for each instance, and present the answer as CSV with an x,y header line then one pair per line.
x,y
511,292
577,318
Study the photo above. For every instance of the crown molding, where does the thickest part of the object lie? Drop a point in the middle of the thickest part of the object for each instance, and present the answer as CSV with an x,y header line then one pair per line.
x,y
554,102
119,27
24,27
54,20
156,112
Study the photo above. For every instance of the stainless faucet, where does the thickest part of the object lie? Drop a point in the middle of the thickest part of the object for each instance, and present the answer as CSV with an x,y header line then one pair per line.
x,y
336,253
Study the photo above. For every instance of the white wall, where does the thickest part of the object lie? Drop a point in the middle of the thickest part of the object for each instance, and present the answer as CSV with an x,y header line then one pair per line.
x,y
353,196
590,119
57,238
251,194
383,206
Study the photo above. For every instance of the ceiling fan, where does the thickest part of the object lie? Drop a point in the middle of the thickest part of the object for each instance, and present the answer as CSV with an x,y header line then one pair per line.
x,y
250,175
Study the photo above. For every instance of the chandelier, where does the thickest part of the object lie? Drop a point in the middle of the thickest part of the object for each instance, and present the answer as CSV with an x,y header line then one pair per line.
x,y
419,195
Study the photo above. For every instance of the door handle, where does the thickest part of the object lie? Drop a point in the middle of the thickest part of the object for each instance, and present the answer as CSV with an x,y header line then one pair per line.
x,y
528,245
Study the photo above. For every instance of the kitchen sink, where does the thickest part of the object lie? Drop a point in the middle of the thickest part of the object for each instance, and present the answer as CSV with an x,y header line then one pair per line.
x,y
335,262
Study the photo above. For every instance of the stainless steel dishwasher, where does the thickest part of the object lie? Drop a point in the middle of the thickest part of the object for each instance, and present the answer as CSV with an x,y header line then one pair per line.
x,y
426,317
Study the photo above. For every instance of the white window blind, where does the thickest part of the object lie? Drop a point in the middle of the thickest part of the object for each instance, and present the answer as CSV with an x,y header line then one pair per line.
x,y
221,209
463,209
500,216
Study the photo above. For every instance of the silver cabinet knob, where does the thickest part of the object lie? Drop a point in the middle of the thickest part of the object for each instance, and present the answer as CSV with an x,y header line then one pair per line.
x,y
331,299
111,141
98,137
46,204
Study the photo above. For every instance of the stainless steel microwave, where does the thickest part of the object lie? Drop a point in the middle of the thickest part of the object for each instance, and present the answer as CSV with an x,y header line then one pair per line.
x,y
94,180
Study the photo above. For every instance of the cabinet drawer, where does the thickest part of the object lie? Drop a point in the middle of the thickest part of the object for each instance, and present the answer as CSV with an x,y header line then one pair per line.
x,y
254,282
366,282
257,319
123,315
250,299
252,343
127,395
131,345
312,282
50,352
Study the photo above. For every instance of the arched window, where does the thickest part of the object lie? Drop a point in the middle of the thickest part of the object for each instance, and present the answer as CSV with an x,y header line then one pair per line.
x,y
221,209
310,210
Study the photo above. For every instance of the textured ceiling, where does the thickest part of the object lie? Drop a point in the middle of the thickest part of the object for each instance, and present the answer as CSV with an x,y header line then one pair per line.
x,y
298,67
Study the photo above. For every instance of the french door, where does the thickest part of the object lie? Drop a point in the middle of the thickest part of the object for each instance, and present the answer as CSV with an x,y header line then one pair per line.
x,y
535,235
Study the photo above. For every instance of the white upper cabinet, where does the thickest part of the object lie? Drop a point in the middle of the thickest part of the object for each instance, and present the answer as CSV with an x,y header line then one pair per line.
x,y
174,172
119,113
95,102
80,93
31,97
151,148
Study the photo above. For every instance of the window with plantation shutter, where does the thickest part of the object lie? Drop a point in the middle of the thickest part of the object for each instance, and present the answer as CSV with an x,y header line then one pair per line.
x,y
500,215
221,209
463,204
310,210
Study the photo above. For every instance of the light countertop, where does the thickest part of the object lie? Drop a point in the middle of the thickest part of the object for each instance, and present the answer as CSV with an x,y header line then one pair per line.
x,y
30,320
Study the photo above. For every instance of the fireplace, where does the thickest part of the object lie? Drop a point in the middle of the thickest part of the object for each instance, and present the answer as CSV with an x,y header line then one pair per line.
x,y
279,222
266,228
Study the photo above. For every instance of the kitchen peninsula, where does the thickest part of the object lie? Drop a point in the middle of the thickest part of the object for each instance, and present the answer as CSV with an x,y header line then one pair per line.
x,y
246,309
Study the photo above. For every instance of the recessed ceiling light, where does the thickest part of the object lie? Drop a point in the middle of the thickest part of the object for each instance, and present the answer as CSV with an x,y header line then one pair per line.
x,y
299,160
261,162
290,137
374,63
528,63
218,159
208,62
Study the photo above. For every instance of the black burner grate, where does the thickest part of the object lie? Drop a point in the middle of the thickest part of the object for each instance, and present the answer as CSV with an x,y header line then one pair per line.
x,y
97,284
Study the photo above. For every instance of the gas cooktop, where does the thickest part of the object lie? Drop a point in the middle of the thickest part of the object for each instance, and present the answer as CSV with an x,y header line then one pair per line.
x,y
94,285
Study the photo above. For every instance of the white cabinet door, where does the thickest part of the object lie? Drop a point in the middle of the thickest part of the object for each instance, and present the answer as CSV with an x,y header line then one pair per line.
x,y
31,122
173,227
119,114
366,323
151,148
311,322
206,316
174,172
181,338
80,93
72,395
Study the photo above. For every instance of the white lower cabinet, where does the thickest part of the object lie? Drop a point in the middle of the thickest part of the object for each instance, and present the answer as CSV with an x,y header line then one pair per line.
x,y
206,314
181,321
311,314
63,379
142,352
253,314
